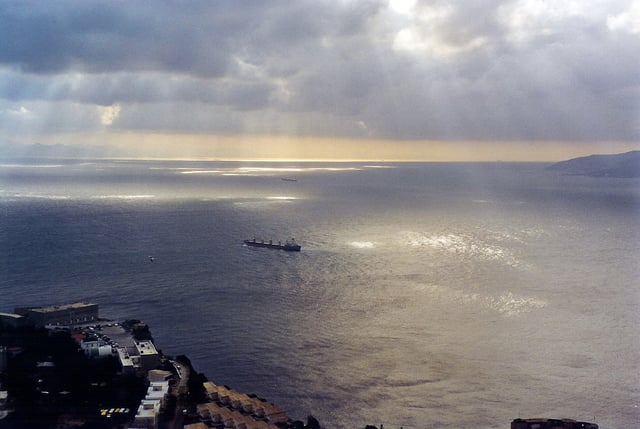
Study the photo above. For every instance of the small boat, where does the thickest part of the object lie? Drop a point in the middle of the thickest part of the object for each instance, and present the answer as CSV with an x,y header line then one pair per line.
x,y
289,245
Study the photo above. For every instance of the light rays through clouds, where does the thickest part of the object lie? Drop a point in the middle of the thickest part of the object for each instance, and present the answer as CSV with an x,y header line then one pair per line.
x,y
460,75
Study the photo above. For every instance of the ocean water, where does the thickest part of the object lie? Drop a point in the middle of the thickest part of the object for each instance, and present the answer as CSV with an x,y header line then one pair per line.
x,y
425,295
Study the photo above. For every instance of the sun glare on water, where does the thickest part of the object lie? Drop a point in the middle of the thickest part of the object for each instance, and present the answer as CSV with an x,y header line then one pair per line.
x,y
362,244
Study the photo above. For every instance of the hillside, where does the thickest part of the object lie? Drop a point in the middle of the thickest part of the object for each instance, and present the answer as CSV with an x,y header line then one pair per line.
x,y
624,165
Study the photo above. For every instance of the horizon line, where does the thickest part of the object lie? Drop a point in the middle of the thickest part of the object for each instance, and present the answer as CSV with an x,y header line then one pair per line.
x,y
274,160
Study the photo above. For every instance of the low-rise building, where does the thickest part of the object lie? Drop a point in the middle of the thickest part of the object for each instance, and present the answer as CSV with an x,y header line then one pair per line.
x,y
198,425
158,391
244,404
149,356
67,314
96,349
159,375
218,415
128,367
147,415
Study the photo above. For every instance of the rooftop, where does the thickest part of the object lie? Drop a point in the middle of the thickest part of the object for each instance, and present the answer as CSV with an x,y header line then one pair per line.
x,y
146,348
72,306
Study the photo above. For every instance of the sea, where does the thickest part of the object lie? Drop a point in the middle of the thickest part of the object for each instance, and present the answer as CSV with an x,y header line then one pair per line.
x,y
426,295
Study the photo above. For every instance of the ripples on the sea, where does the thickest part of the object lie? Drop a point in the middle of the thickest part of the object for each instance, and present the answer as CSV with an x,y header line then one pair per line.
x,y
420,297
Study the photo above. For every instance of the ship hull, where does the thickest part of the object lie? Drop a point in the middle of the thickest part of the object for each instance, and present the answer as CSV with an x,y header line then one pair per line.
x,y
289,247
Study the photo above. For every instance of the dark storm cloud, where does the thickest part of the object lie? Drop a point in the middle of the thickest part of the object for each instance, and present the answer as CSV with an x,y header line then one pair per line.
x,y
98,37
109,89
196,38
433,69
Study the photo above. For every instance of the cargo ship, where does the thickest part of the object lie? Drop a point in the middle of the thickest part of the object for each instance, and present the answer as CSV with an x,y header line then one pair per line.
x,y
551,424
289,245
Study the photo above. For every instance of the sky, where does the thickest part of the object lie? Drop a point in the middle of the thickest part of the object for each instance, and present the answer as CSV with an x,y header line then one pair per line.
x,y
411,80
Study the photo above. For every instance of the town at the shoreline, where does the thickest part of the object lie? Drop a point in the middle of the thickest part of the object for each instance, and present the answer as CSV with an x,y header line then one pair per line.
x,y
64,367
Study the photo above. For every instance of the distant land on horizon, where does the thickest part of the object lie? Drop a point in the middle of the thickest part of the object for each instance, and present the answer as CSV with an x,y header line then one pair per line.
x,y
624,165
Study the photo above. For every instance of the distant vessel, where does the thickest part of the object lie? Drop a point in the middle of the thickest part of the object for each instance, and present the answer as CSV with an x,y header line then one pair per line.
x,y
289,245
287,179
551,424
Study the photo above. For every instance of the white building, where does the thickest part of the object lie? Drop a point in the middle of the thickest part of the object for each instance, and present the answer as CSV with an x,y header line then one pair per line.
x,y
158,391
126,362
147,415
149,356
96,349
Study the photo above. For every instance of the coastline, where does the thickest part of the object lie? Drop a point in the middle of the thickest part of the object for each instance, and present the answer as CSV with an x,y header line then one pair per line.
x,y
118,379
64,367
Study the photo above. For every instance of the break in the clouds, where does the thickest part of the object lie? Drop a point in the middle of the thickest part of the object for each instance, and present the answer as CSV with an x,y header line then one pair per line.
x,y
398,69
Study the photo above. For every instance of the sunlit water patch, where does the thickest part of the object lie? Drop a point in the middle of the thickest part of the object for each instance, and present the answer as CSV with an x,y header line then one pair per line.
x,y
240,171
270,169
506,304
521,235
264,203
509,304
33,195
362,244
463,245
190,171
123,197
282,198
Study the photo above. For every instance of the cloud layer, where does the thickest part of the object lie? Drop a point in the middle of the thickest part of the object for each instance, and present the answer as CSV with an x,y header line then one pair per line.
x,y
400,69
